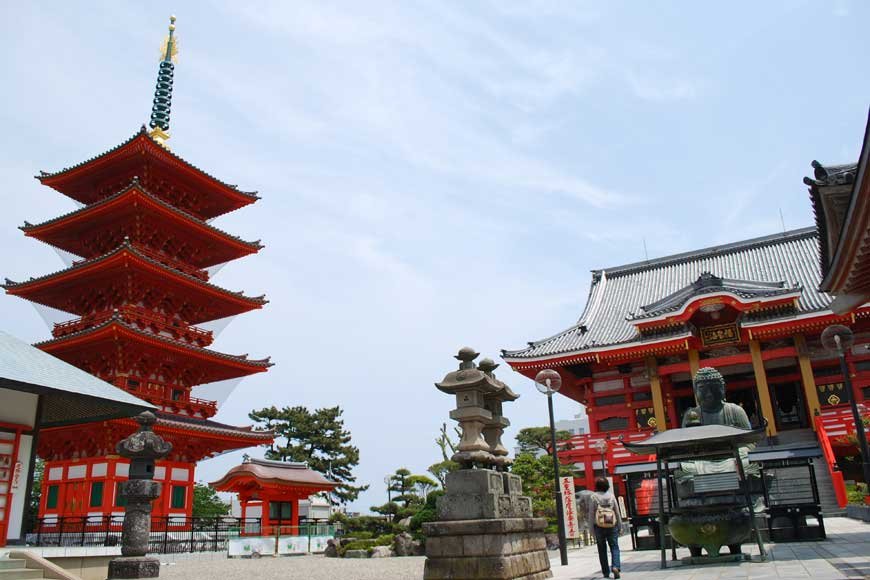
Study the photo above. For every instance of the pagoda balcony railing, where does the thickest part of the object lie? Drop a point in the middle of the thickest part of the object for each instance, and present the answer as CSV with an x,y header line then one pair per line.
x,y
204,407
145,319
172,398
172,262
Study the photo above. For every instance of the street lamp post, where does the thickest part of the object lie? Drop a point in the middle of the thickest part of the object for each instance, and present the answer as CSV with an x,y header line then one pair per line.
x,y
839,339
548,382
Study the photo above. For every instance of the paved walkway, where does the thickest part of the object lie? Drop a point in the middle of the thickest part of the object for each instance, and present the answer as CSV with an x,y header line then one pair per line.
x,y
846,554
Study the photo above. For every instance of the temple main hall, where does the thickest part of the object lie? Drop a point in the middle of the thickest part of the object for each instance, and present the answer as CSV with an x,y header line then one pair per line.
x,y
752,309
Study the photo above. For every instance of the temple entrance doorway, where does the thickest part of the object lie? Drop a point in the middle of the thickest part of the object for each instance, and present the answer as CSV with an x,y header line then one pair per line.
x,y
746,398
788,406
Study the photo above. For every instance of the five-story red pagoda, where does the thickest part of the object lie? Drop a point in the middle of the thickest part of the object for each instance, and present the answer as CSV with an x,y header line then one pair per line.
x,y
139,289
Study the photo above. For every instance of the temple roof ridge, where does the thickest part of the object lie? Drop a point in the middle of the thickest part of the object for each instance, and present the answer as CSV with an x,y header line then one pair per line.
x,y
732,247
278,463
831,175
755,266
708,283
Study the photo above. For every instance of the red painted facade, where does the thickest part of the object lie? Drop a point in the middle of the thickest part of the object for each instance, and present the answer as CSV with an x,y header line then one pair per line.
x,y
618,384
271,490
138,291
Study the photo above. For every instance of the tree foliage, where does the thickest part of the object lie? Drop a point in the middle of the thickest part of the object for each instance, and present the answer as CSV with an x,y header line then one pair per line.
x,y
207,503
445,443
422,485
440,470
538,484
536,439
429,511
35,493
318,438
401,485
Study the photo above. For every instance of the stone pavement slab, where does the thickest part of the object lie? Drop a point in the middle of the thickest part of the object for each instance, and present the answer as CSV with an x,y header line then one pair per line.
x,y
845,554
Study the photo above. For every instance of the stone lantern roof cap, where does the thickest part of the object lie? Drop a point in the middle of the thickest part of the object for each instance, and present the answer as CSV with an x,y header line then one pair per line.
x,y
471,378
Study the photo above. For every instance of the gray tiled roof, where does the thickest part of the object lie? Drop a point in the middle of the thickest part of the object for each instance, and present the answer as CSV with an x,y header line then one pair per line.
x,y
708,283
791,258
70,393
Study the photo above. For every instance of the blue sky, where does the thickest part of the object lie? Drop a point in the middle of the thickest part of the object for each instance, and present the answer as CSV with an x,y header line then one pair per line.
x,y
435,174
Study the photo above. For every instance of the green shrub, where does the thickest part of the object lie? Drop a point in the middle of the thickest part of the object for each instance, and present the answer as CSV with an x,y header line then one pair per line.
x,y
376,525
360,535
855,493
385,540
428,513
357,545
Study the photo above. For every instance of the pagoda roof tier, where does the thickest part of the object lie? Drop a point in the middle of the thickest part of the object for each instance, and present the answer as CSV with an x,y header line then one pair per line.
x,y
165,174
784,266
137,214
192,439
118,346
127,275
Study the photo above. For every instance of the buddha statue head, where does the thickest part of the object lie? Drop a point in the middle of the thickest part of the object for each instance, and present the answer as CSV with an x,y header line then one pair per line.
x,y
709,389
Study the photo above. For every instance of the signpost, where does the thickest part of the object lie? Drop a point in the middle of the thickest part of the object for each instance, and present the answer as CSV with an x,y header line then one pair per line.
x,y
569,507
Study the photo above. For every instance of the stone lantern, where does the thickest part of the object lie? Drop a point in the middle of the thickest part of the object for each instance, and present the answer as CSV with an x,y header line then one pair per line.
x,y
494,428
485,527
142,448
471,386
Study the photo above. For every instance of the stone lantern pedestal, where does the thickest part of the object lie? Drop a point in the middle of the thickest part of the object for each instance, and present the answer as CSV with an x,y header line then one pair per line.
x,y
485,527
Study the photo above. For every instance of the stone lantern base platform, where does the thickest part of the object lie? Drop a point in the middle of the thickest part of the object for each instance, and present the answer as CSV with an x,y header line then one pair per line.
x,y
134,567
498,549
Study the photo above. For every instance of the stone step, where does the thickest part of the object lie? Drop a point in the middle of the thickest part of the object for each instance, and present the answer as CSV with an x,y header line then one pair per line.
x,y
20,573
12,563
827,497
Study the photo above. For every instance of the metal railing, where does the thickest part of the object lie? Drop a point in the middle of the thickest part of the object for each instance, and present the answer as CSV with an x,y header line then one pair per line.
x,y
169,534
831,460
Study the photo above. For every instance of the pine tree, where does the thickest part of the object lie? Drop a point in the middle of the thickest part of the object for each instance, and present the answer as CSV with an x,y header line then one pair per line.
x,y
207,503
318,438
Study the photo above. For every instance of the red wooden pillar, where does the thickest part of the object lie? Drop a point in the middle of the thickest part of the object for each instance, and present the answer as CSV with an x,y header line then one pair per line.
x,y
294,520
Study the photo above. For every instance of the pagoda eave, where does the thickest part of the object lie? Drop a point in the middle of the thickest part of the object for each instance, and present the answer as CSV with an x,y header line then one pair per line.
x,y
116,341
143,157
130,270
123,214
192,441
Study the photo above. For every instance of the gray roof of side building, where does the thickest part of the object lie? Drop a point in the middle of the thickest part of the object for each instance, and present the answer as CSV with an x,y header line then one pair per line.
x,y
70,395
617,294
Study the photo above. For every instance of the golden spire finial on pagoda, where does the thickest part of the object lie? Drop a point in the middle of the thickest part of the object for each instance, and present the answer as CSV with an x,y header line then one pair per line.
x,y
169,48
163,92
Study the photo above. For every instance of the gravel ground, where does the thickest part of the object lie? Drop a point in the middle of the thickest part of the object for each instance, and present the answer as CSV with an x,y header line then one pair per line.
x,y
302,567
